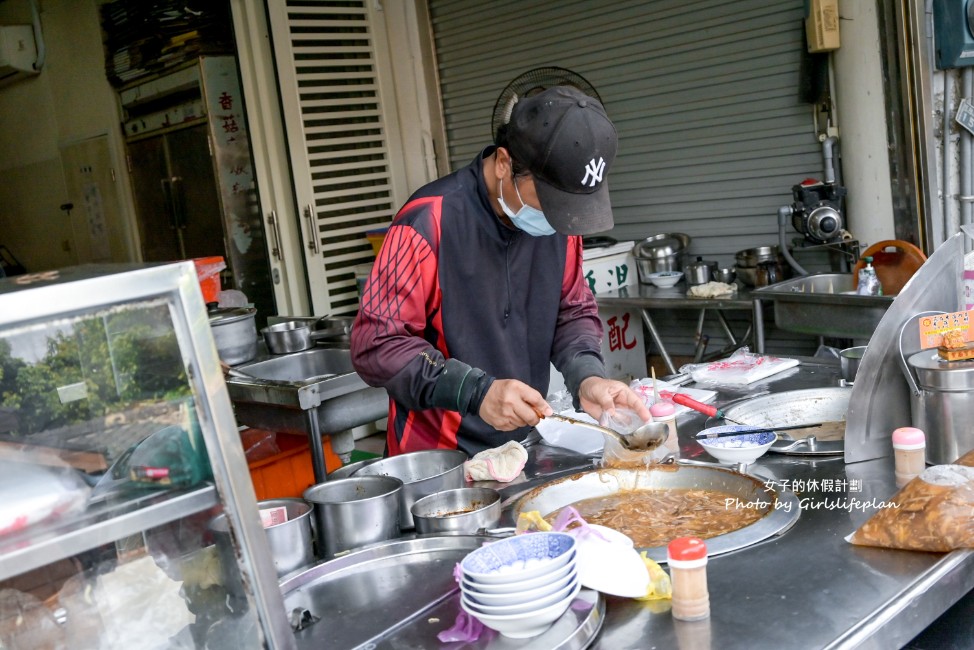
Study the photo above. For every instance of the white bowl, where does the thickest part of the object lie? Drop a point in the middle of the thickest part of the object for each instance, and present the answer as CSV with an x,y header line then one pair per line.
x,y
525,625
524,607
611,566
521,557
518,585
665,279
745,448
515,596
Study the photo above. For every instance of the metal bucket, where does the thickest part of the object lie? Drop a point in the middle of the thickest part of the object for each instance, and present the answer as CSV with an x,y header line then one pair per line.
x,y
291,541
942,401
355,511
422,473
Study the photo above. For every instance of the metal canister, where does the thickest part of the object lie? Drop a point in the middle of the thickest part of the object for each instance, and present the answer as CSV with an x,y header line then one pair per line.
x,y
942,402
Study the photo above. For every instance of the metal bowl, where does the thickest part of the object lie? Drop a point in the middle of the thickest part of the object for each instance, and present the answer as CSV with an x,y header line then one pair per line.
x,y
754,256
659,254
422,473
460,511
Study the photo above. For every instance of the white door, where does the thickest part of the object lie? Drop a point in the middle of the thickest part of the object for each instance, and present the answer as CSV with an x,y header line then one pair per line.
x,y
337,98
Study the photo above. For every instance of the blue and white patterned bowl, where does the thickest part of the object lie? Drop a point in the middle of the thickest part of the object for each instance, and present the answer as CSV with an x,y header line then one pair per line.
x,y
745,448
519,558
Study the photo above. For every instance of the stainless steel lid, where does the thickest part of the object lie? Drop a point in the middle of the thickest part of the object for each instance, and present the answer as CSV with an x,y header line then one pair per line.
x,y
936,374
661,246
230,315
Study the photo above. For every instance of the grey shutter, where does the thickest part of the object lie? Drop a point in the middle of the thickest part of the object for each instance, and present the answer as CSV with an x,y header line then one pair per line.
x,y
704,95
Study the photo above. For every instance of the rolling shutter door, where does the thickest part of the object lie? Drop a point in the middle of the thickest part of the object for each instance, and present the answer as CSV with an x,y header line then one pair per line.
x,y
704,95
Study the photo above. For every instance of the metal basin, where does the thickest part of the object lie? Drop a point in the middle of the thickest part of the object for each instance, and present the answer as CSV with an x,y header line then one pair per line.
x,y
824,305
782,506
316,389
825,406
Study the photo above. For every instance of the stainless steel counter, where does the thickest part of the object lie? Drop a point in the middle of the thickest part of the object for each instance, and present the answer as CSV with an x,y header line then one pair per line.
x,y
808,588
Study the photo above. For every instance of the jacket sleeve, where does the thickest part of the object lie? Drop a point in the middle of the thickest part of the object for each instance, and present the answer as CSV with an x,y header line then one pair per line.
x,y
577,346
388,343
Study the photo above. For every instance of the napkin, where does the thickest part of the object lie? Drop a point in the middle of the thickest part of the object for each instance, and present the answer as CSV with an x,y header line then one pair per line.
x,y
502,463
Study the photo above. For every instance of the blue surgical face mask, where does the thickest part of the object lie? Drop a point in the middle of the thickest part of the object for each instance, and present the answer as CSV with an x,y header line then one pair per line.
x,y
530,220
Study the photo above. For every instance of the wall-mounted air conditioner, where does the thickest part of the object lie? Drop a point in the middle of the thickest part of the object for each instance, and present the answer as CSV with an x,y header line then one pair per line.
x,y
18,53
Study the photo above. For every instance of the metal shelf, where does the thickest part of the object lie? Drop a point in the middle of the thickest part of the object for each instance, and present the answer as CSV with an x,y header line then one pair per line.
x,y
41,545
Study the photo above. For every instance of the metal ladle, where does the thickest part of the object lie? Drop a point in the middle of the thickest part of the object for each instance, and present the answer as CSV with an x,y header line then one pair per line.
x,y
646,438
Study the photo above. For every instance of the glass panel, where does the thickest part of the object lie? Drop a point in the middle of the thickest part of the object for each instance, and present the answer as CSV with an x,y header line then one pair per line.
x,y
161,588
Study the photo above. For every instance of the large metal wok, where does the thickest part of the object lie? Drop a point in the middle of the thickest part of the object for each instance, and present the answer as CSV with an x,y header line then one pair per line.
x,y
781,506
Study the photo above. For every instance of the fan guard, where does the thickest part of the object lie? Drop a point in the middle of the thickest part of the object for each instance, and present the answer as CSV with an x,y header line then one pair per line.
x,y
531,83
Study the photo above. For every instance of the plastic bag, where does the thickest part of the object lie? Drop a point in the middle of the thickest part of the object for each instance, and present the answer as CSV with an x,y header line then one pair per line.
x,y
931,513
35,493
259,444
740,368
613,453
660,587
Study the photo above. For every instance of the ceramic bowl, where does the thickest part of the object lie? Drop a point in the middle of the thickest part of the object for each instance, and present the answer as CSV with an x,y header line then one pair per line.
x,y
745,448
665,279
519,585
516,596
525,625
524,607
519,558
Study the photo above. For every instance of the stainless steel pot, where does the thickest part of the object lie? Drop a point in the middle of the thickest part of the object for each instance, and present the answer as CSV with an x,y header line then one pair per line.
x,y
355,511
235,334
660,253
422,473
463,511
298,335
291,541
942,402
849,360
699,272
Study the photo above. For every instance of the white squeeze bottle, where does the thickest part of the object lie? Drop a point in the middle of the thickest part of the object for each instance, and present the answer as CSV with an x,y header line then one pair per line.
x,y
869,284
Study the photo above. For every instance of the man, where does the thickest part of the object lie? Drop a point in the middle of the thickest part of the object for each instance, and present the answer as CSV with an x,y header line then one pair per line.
x,y
478,287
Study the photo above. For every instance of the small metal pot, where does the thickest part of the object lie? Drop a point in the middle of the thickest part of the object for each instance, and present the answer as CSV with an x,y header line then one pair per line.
x,y
235,334
457,512
849,360
355,511
291,541
422,473
296,336
699,272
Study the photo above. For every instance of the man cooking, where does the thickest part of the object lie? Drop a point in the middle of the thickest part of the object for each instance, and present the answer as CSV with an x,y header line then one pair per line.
x,y
478,287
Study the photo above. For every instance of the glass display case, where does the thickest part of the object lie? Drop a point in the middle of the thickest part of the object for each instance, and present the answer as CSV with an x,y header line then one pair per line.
x,y
118,448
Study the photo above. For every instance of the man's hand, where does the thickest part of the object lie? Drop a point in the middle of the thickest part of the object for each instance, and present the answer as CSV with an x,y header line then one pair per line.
x,y
510,404
597,395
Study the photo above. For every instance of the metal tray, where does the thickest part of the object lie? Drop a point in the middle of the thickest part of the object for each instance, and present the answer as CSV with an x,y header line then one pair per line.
x,y
401,594
790,408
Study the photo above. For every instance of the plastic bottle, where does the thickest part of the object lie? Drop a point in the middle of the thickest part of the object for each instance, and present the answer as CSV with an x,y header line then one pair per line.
x,y
666,412
687,557
909,454
869,284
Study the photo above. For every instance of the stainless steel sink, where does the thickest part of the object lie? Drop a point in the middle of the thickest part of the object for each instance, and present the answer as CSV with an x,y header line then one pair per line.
x,y
824,305
313,392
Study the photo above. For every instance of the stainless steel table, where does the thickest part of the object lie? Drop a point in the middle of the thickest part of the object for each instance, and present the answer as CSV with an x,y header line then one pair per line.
x,y
808,588
647,297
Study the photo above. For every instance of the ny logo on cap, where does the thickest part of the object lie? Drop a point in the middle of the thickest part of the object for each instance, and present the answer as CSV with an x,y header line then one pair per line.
x,y
594,170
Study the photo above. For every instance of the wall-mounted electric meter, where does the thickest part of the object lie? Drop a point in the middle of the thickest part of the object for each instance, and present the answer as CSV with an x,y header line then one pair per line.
x,y
953,33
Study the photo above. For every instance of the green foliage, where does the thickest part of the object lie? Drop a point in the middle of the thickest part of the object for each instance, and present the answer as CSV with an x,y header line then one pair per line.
x,y
121,358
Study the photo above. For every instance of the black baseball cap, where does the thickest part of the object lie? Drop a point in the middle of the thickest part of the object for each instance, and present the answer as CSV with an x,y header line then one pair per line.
x,y
568,143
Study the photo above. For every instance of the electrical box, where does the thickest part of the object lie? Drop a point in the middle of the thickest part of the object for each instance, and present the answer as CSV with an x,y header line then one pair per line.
x,y
822,25
953,35
18,53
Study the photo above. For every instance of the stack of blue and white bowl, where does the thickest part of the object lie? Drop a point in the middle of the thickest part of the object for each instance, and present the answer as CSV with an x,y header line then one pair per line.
x,y
520,585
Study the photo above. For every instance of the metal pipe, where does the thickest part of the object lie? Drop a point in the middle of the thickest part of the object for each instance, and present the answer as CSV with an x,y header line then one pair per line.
x,y
784,213
947,158
828,153
966,182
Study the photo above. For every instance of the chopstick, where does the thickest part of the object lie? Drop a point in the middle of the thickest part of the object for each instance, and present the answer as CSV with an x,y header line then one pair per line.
x,y
730,434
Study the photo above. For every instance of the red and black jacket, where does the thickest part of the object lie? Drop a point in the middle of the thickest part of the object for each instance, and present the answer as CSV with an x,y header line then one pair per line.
x,y
457,298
